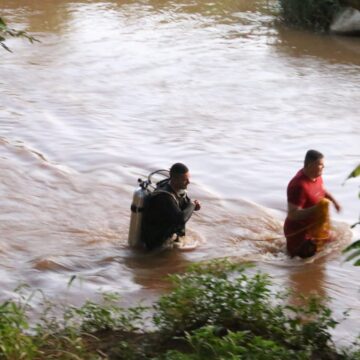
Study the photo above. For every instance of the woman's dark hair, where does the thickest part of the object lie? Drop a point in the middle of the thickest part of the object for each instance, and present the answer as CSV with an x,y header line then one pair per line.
x,y
311,156
178,169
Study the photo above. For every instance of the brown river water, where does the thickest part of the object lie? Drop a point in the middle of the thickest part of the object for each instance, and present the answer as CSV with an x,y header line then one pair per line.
x,y
117,89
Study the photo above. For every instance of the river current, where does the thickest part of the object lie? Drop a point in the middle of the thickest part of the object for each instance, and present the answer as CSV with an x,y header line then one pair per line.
x,y
117,89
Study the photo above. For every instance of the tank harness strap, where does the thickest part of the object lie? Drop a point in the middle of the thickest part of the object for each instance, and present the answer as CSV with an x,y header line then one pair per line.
x,y
136,209
158,191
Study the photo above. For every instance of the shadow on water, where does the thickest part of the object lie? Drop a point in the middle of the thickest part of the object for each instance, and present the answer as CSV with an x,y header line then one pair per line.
x,y
150,270
307,280
332,48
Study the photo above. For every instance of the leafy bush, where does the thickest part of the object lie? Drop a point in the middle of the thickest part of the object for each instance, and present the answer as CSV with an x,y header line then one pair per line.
x,y
106,315
215,311
207,344
14,343
240,303
206,296
73,337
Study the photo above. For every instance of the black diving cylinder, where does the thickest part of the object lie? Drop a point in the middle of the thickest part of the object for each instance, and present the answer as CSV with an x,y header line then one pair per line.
x,y
137,209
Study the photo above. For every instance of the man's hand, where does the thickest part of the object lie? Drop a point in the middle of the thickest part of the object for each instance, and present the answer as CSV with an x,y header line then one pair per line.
x,y
197,205
331,198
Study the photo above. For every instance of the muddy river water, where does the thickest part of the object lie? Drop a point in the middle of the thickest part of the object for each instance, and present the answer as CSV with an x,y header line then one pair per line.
x,y
117,89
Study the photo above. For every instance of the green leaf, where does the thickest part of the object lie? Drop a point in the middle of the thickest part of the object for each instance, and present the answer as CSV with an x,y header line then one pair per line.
x,y
5,32
353,255
5,47
357,263
2,24
354,173
73,277
352,246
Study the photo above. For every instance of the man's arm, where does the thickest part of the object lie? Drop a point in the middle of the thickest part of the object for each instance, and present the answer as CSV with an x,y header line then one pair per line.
x,y
171,210
296,195
332,199
297,213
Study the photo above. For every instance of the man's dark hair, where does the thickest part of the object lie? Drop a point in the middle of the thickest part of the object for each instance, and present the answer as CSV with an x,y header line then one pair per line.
x,y
178,169
311,156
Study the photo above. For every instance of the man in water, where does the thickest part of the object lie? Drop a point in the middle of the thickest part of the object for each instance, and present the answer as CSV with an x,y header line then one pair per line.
x,y
305,195
168,209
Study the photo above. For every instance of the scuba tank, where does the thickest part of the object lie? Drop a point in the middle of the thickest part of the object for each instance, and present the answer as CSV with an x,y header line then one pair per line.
x,y
137,209
140,195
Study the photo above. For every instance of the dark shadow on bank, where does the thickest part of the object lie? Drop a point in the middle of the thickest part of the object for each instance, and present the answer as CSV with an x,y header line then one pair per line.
x,y
299,43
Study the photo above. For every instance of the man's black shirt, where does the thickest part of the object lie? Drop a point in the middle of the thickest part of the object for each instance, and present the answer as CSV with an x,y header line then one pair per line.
x,y
165,214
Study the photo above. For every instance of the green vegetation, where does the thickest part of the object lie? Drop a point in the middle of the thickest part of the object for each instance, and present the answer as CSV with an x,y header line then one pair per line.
x,y
215,311
355,246
355,249
5,32
312,14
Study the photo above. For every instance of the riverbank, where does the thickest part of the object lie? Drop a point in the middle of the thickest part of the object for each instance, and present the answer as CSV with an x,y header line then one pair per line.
x,y
336,16
223,87
215,310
